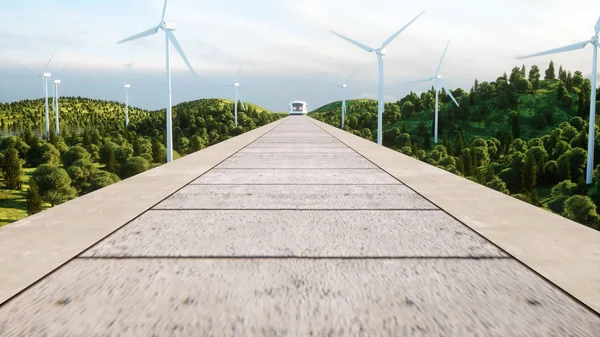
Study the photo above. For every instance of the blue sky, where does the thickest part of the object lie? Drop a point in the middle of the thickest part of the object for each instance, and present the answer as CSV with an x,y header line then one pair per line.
x,y
286,47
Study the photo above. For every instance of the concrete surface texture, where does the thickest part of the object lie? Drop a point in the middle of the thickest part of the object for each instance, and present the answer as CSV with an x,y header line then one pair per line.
x,y
295,243
565,252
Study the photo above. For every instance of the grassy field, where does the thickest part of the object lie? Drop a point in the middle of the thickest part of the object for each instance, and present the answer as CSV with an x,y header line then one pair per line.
x,y
13,206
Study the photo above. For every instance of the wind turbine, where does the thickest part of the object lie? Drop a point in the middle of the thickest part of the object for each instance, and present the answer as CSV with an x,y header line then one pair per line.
x,y
592,122
125,87
344,85
55,107
438,82
167,28
380,52
45,76
236,86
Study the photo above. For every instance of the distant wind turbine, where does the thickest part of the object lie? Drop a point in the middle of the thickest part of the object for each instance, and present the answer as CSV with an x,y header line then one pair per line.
x,y
592,122
125,87
45,76
380,52
236,86
167,28
438,82
56,83
344,85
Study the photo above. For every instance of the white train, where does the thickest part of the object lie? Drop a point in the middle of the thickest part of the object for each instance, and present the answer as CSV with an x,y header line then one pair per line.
x,y
298,108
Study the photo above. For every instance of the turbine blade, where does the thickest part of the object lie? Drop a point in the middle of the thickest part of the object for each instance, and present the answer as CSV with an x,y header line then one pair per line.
x,y
150,31
418,81
50,60
391,38
356,43
574,46
239,70
597,27
437,70
449,93
164,12
32,71
352,75
173,40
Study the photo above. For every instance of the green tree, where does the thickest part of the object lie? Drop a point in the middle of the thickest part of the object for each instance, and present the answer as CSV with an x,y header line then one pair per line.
x,y
514,123
550,74
81,172
133,166
581,209
497,184
530,172
54,184
12,169
534,77
33,199
75,153
101,179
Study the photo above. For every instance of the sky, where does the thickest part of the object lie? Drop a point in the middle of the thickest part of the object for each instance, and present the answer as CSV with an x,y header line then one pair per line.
x,y
286,47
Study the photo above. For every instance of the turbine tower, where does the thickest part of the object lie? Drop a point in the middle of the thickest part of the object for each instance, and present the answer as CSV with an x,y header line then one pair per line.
x,y
380,52
125,87
592,121
55,107
236,86
167,28
438,82
344,85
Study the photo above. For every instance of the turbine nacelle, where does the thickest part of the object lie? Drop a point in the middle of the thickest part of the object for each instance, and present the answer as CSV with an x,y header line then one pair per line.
x,y
56,81
343,86
594,40
47,75
382,51
236,84
439,77
168,25
127,86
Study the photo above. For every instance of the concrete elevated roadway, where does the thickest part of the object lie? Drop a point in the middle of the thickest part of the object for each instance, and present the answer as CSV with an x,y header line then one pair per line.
x,y
298,229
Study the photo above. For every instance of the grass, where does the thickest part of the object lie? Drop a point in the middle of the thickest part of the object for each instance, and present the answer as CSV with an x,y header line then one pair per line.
x,y
13,206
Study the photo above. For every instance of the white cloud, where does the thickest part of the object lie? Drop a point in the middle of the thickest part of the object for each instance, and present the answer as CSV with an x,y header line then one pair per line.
x,y
289,41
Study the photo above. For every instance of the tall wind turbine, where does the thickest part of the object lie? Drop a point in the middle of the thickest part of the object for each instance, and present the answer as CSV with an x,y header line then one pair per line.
x,y
167,28
125,87
380,52
344,85
236,86
438,82
592,122
55,107
45,76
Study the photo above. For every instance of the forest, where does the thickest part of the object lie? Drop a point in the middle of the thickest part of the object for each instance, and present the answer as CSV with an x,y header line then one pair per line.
x,y
524,134
94,148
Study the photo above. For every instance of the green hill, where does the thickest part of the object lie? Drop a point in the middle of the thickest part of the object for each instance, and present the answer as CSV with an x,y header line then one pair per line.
x,y
94,148
520,134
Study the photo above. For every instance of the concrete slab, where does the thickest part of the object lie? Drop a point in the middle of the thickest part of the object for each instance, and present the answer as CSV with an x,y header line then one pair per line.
x,y
295,233
563,251
297,176
269,145
300,150
297,160
297,140
295,197
34,246
270,297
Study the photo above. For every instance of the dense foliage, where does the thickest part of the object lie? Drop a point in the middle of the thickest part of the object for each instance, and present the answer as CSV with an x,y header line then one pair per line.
x,y
520,135
95,149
